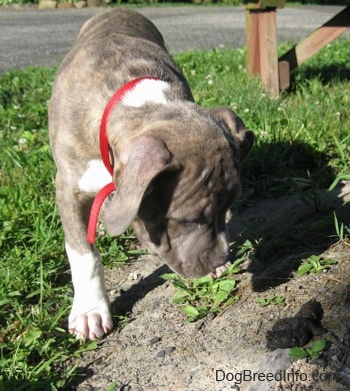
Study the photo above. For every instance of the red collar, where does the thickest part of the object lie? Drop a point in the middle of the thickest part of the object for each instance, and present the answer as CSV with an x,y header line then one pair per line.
x,y
104,149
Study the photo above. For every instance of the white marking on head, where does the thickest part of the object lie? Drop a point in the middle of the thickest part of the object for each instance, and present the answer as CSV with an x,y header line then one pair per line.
x,y
94,177
147,90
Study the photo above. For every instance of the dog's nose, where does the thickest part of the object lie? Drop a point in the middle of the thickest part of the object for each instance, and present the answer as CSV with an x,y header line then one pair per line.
x,y
218,261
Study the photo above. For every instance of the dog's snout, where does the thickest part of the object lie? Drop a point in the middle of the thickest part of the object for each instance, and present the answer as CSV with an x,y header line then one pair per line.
x,y
214,261
218,264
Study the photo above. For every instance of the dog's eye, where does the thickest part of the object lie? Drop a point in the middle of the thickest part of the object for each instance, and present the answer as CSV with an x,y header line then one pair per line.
x,y
192,223
187,223
149,189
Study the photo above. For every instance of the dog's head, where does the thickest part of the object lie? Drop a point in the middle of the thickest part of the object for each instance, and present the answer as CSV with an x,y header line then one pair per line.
x,y
176,181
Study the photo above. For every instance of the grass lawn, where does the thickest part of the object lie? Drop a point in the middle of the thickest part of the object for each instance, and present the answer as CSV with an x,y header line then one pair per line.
x,y
304,134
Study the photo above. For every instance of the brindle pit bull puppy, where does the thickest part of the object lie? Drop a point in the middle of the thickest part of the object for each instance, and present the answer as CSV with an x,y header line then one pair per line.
x,y
175,165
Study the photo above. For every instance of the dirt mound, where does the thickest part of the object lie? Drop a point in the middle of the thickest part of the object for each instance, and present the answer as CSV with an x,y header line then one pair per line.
x,y
157,350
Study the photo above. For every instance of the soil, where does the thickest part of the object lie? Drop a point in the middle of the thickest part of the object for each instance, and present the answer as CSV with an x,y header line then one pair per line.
x,y
157,350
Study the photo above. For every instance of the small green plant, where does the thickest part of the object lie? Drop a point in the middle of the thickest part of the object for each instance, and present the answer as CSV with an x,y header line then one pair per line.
x,y
245,248
314,351
122,320
314,264
339,229
204,295
274,300
113,386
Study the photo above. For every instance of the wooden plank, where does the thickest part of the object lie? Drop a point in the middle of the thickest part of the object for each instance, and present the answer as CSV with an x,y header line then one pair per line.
x,y
252,38
268,51
318,39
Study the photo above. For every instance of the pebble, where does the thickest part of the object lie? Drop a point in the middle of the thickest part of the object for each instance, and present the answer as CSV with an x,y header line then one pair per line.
x,y
323,289
165,351
80,4
132,276
154,340
65,5
169,349
47,4
210,316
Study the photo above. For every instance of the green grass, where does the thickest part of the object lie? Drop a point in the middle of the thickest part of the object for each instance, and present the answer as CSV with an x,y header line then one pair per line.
x,y
35,289
303,134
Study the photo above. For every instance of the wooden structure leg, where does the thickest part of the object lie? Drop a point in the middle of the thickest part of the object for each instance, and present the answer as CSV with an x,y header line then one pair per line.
x,y
318,39
261,35
262,47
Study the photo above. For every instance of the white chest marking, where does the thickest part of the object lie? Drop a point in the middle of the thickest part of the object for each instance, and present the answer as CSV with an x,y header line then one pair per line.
x,y
94,177
147,90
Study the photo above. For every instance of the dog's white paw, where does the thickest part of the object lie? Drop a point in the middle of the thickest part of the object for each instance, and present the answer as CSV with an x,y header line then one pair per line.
x,y
90,317
92,324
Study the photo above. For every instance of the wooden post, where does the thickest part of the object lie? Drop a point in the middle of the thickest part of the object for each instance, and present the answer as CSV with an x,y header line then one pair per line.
x,y
268,51
262,43
261,33
252,38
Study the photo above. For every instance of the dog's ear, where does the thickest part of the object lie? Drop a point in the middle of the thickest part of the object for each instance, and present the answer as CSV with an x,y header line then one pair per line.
x,y
141,161
243,137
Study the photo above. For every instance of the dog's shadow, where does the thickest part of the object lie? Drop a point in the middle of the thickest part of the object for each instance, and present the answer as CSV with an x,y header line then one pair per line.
x,y
125,302
296,221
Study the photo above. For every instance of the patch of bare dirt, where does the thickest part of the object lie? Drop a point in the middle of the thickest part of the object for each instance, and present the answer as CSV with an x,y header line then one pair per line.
x,y
157,350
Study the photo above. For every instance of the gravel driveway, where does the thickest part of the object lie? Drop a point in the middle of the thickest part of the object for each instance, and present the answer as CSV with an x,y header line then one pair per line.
x,y
32,37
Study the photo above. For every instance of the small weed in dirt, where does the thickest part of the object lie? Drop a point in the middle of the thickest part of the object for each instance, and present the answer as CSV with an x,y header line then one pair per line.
x,y
274,300
113,386
340,228
314,264
202,296
313,352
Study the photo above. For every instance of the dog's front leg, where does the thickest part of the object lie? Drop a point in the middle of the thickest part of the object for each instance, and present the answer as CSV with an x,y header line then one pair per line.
x,y
90,315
